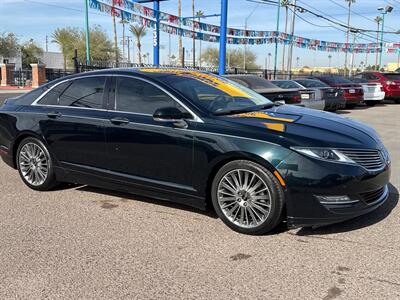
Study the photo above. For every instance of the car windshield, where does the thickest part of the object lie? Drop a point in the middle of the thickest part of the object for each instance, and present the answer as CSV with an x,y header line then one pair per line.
x,y
286,84
216,94
310,83
392,76
336,80
253,82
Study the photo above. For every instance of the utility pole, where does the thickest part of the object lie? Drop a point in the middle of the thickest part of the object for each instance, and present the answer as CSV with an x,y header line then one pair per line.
x,y
194,35
87,32
285,3
347,31
384,11
378,20
245,29
128,41
277,38
47,43
352,52
290,55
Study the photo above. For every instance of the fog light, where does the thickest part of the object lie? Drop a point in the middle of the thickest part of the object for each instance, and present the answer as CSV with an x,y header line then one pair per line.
x,y
343,199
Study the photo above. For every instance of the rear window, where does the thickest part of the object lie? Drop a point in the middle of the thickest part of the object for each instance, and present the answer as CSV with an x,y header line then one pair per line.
x,y
309,83
392,76
335,80
358,80
253,82
286,84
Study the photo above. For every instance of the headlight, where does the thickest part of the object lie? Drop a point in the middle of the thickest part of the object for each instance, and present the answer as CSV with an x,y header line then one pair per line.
x,y
327,154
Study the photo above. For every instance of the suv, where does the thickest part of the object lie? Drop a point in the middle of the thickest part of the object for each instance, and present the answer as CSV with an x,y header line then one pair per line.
x,y
353,93
390,83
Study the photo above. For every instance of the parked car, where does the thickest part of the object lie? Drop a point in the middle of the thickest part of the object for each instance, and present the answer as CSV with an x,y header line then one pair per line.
x,y
309,97
267,89
333,97
373,91
390,83
353,93
196,138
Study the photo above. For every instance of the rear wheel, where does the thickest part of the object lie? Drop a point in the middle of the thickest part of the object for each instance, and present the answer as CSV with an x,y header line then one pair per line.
x,y
351,106
247,197
370,103
35,165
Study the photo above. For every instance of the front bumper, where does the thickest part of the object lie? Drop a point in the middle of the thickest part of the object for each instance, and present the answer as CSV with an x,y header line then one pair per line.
x,y
306,179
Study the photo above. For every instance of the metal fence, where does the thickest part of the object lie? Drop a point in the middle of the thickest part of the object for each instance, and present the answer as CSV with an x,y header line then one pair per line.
x,y
20,77
53,74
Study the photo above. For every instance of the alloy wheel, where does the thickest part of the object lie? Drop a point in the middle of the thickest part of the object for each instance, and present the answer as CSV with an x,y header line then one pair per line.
x,y
244,198
34,164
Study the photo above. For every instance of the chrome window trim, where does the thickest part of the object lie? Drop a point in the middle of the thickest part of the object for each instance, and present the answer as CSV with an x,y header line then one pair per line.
x,y
195,117
35,103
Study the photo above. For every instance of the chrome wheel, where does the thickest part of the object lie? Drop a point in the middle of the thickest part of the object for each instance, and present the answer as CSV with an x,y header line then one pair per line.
x,y
244,198
34,164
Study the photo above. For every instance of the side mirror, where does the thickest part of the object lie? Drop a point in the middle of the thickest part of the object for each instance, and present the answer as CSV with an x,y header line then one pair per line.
x,y
170,114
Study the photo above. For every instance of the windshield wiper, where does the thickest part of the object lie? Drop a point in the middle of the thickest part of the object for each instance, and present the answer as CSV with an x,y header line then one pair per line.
x,y
243,110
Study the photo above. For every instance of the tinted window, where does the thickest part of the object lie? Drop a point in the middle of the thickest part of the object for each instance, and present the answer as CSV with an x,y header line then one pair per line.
x,y
138,96
86,92
30,97
311,83
392,76
286,84
253,82
335,80
52,96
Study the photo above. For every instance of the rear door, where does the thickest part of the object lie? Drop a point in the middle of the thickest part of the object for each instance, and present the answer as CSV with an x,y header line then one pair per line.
x,y
75,123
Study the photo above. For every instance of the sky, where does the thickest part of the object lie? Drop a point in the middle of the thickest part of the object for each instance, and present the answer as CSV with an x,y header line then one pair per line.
x,y
39,18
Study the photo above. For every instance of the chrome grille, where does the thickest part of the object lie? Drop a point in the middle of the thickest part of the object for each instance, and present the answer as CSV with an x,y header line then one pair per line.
x,y
373,196
369,159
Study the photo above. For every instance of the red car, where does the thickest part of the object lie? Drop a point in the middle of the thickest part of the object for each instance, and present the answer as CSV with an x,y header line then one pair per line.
x,y
390,83
353,93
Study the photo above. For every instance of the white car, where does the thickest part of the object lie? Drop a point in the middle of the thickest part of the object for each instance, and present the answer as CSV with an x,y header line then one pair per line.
x,y
373,91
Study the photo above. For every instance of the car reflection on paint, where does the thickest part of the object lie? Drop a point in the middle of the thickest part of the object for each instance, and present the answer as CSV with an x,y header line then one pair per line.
x,y
197,139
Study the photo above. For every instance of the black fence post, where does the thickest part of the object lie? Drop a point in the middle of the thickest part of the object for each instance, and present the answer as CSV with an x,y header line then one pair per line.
x,y
75,59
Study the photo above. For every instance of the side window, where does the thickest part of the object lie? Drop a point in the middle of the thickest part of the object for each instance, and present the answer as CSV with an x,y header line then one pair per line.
x,y
137,96
52,96
85,92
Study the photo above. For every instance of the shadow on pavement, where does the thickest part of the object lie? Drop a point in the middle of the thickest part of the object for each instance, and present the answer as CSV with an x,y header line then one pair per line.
x,y
131,197
359,222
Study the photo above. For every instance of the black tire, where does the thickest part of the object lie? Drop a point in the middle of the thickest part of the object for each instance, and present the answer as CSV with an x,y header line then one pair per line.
x,y
397,101
370,103
277,197
50,180
351,106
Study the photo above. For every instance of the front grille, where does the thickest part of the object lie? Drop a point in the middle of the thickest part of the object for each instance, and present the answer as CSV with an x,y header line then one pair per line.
x,y
369,159
371,197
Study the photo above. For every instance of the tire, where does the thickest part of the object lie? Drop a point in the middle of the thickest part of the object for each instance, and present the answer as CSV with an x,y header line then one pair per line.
x,y
35,165
397,101
370,103
242,212
351,106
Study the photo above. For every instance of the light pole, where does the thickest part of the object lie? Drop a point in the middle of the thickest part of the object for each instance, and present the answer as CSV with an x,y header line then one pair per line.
x,y
285,3
383,11
330,59
348,31
87,32
276,38
297,62
290,55
245,29
354,32
378,20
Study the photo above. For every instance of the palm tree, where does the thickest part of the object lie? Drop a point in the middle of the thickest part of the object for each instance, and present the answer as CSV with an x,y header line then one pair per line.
x,y
138,31
199,14
65,38
180,37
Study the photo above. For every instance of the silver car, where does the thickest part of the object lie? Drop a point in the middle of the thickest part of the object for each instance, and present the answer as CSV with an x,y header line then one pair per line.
x,y
310,98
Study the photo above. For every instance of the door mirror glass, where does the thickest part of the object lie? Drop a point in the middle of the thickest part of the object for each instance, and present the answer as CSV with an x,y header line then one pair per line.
x,y
168,114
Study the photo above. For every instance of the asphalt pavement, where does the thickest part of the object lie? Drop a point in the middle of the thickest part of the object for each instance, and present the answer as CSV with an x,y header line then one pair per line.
x,y
87,243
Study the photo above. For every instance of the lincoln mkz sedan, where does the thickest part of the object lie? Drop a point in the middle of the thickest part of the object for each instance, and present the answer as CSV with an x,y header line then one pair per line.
x,y
197,139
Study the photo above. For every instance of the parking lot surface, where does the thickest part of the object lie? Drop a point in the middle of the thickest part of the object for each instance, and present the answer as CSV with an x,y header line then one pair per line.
x,y
82,242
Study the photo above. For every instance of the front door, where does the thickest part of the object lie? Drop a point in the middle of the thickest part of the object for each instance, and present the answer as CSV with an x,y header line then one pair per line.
x,y
142,149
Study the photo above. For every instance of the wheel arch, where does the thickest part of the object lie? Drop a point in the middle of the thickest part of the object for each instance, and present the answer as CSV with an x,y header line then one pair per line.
x,y
20,137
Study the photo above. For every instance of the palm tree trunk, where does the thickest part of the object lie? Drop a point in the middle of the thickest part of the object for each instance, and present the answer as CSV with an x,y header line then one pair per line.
x,y
180,37
139,47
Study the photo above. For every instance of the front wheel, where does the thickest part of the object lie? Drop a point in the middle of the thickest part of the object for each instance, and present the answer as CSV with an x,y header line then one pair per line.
x,y
35,165
247,197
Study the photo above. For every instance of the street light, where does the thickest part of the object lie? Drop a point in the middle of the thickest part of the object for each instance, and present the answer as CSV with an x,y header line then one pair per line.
x,y
383,11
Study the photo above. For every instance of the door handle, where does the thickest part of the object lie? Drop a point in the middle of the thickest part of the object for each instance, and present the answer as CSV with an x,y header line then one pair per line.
x,y
54,114
119,121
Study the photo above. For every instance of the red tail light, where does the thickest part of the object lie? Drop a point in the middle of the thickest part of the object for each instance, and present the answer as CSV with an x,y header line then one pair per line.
x,y
296,98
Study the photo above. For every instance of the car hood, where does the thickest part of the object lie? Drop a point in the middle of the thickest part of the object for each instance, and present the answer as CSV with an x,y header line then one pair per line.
x,y
297,126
